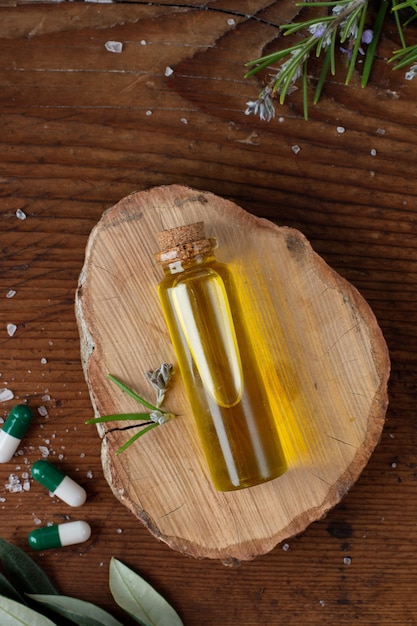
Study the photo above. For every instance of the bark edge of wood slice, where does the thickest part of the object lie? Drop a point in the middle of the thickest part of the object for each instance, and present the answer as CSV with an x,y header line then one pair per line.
x,y
324,356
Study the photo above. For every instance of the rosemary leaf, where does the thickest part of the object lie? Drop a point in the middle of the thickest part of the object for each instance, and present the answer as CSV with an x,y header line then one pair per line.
x,y
118,417
370,53
132,393
135,437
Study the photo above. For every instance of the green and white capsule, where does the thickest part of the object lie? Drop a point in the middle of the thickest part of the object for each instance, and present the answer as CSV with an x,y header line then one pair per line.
x,y
58,483
59,535
13,431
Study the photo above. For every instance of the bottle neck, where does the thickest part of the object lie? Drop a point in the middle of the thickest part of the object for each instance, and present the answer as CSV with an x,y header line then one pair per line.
x,y
181,265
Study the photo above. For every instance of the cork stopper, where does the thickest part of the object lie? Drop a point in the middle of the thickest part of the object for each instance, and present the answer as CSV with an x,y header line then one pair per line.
x,y
183,243
180,236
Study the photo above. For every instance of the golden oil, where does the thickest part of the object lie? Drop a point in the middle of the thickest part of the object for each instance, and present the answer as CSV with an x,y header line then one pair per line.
x,y
225,387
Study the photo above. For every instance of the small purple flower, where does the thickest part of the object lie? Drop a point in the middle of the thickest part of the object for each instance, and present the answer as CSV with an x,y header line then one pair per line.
x,y
367,36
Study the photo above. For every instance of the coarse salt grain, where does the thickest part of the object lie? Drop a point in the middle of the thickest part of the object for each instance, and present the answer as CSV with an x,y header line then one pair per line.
x,y
341,129
44,360
184,120
11,329
114,46
231,21
6,394
347,560
11,293
168,71
43,411
286,547
13,485
373,152
143,42
21,215
296,149
44,451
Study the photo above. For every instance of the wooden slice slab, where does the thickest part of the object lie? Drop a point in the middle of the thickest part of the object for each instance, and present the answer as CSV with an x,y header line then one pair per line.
x,y
323,354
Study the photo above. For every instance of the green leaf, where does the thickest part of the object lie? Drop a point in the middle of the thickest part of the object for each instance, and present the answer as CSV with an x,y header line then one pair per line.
x,y
118,417
24,574
77,611
133,594
132,393
136,437
370,52
15,614
8,591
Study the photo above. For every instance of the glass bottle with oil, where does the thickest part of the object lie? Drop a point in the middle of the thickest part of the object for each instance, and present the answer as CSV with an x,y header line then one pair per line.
x,y
230,405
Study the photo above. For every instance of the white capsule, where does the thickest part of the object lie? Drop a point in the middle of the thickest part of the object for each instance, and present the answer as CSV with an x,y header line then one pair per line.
x,y
13,431
59,535
58,483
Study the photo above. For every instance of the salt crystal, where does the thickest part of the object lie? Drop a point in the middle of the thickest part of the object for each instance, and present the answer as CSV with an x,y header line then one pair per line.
x,y
296,149
168,71
231,21
143,42
119,530
89,474
114,46
280,120
11,293
44,451
21,215
44,361
184,120
37,521
148,112
26,485
286,547
341,129
6,394
373,152
13,485
46,397
347,560
11,329
380,131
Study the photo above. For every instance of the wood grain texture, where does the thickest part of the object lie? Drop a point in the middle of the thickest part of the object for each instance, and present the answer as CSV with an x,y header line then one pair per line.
x,y
325,362
80,129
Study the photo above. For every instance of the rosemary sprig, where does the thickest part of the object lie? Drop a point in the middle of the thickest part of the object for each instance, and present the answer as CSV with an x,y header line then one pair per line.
x,y
159,379
350,27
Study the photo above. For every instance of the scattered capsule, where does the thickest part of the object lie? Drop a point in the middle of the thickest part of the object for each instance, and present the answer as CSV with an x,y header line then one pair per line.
x,y
13,431
58,483
59,535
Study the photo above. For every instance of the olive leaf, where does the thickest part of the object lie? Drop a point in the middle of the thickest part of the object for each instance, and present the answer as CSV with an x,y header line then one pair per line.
x,y
8,591
77,611
133,594
24,574
15,614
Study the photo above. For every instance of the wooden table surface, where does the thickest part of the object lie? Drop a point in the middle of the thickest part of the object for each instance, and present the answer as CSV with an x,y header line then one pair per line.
x,y
82,127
